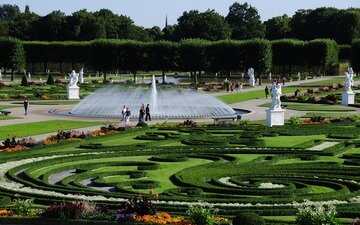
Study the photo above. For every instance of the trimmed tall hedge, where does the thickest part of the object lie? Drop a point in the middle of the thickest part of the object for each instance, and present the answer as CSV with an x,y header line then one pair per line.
x,y
192,55
355,53
12,55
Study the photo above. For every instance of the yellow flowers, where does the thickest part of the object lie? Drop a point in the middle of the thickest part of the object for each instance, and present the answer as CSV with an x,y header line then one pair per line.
x,y
161,218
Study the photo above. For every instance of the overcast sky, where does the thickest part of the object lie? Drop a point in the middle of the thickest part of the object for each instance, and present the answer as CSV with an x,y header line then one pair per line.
x,y
148,13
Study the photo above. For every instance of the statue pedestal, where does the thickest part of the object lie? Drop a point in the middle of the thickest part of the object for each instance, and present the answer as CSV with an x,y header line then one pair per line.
x,y
275,117
73,93
347,98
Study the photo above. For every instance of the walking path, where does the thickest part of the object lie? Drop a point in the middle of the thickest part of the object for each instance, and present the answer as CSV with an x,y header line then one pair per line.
x,y
38,113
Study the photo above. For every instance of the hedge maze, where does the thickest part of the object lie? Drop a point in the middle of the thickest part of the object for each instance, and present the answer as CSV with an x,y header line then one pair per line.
x,y
232,167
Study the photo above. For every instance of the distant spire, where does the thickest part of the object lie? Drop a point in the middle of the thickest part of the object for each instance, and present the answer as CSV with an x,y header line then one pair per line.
x,y
166,23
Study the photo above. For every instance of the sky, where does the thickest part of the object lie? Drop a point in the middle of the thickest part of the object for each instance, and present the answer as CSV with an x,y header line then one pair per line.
x,y
148,13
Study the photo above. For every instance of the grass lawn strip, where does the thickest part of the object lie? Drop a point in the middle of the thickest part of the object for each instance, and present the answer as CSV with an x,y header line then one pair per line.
x,y
2,117
311,107
36,128
245,96
322,146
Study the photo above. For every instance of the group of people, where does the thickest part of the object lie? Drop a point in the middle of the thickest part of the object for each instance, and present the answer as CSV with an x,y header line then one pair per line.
x,y
143,112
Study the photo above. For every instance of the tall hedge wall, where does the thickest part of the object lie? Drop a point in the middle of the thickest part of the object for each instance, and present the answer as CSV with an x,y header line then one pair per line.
x,y
355,55
188,55
12,55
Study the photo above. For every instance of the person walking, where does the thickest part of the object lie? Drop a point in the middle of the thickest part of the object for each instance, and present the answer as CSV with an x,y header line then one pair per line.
x,y
141,114
26,105
127,117
147,111
266,91
123,111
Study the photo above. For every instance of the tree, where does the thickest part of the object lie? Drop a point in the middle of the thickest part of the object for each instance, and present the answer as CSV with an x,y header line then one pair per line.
x,y
83,25
50,27
277,27
208,25
9,12
50,79
116,27
245,22
24,81
192,56
12,55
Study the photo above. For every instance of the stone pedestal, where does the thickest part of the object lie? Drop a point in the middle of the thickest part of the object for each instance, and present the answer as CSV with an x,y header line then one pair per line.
x,y
73,92
275,117
347,98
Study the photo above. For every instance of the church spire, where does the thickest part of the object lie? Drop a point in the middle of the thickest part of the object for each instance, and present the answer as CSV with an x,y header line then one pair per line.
x,y
166,22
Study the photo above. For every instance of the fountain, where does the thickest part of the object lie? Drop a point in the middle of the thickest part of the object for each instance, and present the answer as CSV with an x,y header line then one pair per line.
x,y
164,103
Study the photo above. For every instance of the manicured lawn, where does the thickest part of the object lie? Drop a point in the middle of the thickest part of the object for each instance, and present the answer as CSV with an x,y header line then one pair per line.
x,y
244,96
328,115
335,80
8,106
289,141
2,117
311,107
28,129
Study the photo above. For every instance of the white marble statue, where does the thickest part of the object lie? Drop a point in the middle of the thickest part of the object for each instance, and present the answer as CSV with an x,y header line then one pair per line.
x,y
0,75
74,77
29,76
251,75
349,81
81,76
276,94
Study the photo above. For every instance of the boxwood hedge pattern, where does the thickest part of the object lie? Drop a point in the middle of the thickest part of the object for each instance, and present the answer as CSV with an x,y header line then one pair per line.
x,y
230,167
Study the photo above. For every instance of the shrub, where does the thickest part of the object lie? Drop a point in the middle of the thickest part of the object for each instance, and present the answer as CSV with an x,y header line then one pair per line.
x,y
294,120
23,207
201,214
50,80
315,213
138,205
24,81
248,218
77,210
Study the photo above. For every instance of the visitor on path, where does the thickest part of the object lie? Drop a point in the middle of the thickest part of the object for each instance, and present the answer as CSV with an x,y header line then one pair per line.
x,y
141,114
266,91
241,87
283,81
237,86
123,111
147,111
26,105
127,117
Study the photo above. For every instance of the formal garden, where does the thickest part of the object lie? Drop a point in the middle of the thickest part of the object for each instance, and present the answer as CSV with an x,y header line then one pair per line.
x,y
69,166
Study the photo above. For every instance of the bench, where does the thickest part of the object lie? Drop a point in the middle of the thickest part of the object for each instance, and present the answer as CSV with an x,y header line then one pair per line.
x,y
5,112
220,119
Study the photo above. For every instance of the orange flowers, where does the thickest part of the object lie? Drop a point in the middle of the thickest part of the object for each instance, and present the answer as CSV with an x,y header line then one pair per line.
x,y
161,218
14,149
4,212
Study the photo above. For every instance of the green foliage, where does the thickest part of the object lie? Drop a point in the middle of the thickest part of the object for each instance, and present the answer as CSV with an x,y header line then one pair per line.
x,y
201,214
12,54
24,207
355,52
294,120
50,79
248,218
24,81
208,25
316,213
245,22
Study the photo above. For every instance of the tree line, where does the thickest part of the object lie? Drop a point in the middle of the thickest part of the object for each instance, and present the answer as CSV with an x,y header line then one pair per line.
x,y
191,55
242,22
